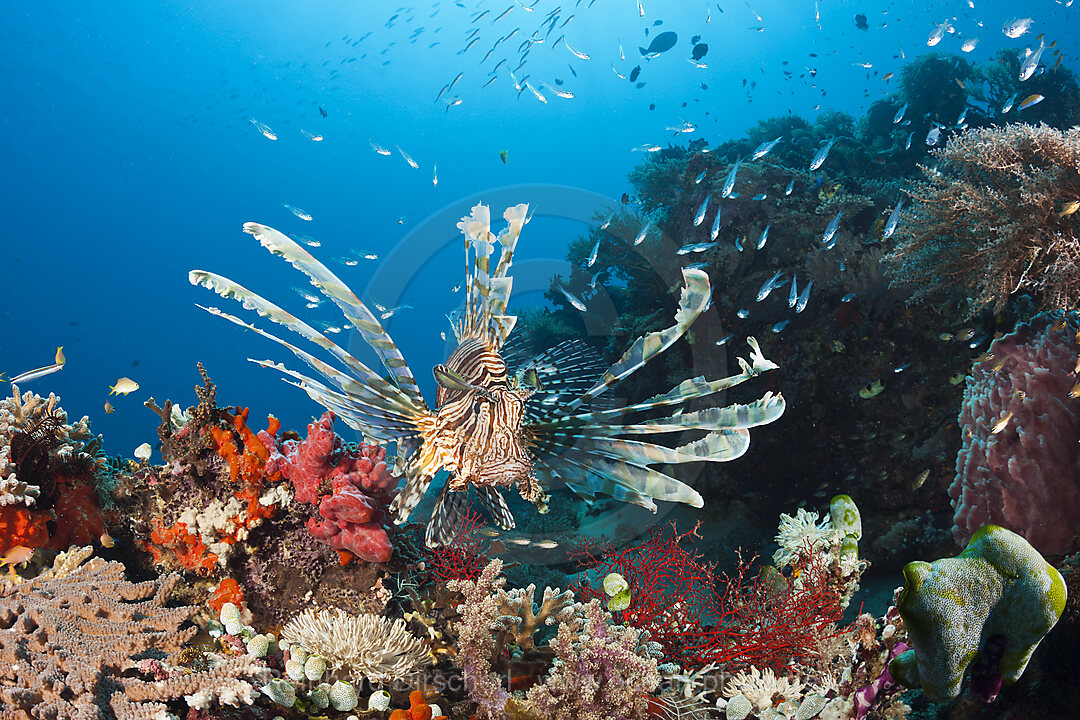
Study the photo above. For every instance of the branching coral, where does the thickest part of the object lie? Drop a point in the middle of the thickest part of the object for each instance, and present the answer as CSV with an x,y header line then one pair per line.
x,y
992,216
71,638
365,645
601,669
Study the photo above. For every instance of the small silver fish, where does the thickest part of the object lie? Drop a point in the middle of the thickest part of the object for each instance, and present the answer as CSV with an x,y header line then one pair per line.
x,y
535,92
1009,103
779,327
702,209
969,44
700,177
592,256
900,113
793,296
743,314
644,232
723,340
934,136
823,153
938,33
790,187
848,298
1016,27
769,285
265,130
804,297
761,150
764,237
830,230
607,223
578,53
759,197
377,147
695,248
894,218
729,183
715,224
907,143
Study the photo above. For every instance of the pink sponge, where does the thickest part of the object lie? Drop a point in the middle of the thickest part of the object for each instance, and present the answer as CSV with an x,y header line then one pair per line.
x,y
350,484
1026,476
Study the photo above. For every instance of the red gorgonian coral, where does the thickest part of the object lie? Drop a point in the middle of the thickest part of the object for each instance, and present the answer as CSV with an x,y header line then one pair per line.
x,y
749,617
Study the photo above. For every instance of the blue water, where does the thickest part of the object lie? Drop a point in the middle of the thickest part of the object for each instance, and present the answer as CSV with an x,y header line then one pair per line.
x,y
127,157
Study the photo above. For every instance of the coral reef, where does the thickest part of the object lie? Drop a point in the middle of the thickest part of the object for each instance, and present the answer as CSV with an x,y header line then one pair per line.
x,y
71,638
1020,433
354,513
365,645
601,669
989,608
990,218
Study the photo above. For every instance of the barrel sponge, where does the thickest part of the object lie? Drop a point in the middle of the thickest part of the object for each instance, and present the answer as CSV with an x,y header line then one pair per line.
x,y
998,587
1020,428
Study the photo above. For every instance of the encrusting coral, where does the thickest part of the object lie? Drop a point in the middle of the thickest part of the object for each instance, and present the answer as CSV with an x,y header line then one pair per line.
x,y
71,638
990,606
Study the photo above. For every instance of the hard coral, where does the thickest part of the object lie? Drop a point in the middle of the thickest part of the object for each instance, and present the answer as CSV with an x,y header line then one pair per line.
x,y
354,513
1022,475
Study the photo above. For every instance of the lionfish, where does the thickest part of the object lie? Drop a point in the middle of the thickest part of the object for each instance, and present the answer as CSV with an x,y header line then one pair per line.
x,y
536,428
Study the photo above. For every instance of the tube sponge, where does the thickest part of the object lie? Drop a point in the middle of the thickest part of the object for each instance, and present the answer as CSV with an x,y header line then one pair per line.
x,y
998,598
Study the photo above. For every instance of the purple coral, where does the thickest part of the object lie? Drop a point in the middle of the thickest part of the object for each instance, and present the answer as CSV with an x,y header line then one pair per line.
x,y
1021,439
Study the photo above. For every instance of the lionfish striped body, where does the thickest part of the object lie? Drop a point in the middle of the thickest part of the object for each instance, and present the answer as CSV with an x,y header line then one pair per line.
x,y
489,430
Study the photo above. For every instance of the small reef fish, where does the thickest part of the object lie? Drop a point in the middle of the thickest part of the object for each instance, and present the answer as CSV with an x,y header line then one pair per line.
x,y
894,218
764,237
60,359
938,33
700,177
823,153
109,409
408,158
901,368
434,174
830,231
702,209
763,149
759,197
715,224
607,223
1075,391
377,147
1069,208
919,480
729,183
743,314
1009,103
314,137
907,143
724,340
1030,100
934,136
779,327
900,113
647,147
578,53
770,285
123,386
264,129
592,255
1031,62
969,44
695,248
298,212
644,231
1016,27
793,294
804,297
872,390
790,187
1000,424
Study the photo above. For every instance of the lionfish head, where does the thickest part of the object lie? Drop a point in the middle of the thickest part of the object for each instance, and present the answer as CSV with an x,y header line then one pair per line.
x,y
494,453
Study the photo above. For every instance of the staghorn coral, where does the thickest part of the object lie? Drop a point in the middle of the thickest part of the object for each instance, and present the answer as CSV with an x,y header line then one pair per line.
x,y
365,645
71,637
990,218
1022,475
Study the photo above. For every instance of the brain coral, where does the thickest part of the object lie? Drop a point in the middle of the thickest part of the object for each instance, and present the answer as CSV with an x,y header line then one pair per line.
x,y
1024,475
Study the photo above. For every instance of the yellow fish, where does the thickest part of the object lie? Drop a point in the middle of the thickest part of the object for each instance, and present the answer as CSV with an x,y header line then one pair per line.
x,y
123,386
60,359
1069,209
109,409
1000,424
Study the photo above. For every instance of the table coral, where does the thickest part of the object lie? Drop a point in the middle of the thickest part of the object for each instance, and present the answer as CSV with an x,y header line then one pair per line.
x,y
71,638
991,605
1022,475
353,515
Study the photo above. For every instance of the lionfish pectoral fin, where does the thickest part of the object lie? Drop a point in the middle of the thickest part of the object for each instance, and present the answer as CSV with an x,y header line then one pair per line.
x,y
447,517
493,501
416,486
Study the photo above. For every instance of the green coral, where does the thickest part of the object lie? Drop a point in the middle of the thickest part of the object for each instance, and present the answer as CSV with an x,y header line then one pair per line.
x,y
998,586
